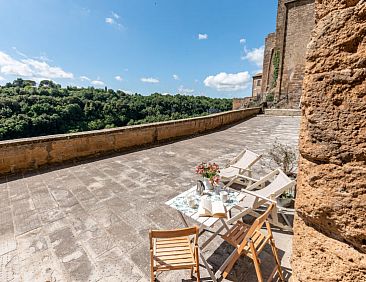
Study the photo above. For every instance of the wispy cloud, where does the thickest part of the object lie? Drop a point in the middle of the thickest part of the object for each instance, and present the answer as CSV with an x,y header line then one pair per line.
x,y
30,68
185,91
109,21
114,20
18,52
118,77
202,36
84,78
254,55
242,41
126,91
2,78
115,15
175,77
97,83
149,80
228,81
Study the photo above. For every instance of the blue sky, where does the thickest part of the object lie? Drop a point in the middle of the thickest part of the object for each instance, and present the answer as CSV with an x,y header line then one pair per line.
x,y
195,47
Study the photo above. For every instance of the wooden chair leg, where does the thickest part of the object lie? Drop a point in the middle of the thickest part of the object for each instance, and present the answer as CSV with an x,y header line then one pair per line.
x,y
152,278
277,260
197,264
256,262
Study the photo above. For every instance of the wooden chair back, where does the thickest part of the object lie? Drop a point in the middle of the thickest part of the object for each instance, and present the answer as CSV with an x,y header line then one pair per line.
x,y
165,234
256,227
173,250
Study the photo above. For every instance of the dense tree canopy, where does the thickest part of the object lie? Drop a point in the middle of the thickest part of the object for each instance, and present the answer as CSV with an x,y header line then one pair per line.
x,y
27,110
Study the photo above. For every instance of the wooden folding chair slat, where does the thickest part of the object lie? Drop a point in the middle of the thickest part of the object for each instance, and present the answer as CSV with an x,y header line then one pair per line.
x,y
173,256
172,250
250,241
167,240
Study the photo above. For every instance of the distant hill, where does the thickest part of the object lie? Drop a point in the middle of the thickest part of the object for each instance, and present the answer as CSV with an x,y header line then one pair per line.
x,y
28,110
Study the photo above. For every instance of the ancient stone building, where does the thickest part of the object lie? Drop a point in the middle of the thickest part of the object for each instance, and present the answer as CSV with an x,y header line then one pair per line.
x,y
284,54
256,85
330,225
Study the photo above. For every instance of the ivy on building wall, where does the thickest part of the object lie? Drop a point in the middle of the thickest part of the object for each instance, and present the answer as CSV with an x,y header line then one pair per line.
x,y
276,66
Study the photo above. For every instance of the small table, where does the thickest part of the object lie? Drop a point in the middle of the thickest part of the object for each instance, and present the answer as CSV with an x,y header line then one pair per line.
x,y
205,223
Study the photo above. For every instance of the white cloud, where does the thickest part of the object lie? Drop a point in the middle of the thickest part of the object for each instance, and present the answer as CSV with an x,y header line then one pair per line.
x,y
118,77
18,52
30,68
8,65
127,91
228,81
185,91
203,36
242,41
84,78
115,15
44,70
2,78
43,57
149,80
109,21
97,83
254,55
114,20
175,77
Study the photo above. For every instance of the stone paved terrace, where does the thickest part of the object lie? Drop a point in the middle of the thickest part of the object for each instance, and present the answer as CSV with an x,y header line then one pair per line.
x,y
90,221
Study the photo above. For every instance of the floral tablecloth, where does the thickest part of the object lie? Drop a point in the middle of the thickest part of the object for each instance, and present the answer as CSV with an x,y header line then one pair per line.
x,y
180,202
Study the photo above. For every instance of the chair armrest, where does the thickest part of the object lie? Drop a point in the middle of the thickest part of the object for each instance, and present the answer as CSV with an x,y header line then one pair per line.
x,y
240,168
246,177
259,196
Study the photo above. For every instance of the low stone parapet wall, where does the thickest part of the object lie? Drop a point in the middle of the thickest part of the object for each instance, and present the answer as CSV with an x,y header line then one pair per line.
x,y
283,112
30,153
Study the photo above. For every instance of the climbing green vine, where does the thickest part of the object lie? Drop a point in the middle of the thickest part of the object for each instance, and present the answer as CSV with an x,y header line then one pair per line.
x,y
276,65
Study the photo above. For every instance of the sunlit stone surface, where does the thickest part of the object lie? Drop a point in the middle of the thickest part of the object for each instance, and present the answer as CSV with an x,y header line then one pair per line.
x,y
90,222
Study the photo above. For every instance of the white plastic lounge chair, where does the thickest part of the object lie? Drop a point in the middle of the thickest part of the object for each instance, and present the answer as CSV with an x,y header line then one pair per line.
x,y
274,184
241,164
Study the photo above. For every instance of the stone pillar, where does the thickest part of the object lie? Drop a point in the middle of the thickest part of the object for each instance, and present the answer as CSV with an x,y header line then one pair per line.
x,y
330,226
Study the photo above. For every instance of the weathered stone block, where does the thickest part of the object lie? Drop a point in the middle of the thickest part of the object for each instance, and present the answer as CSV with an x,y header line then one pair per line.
x,y
330,238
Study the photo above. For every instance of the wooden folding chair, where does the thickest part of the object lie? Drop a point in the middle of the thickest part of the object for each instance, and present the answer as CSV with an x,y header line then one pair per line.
x,y
173,250
250,241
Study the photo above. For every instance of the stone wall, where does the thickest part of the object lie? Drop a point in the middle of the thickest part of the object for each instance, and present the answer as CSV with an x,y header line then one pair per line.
x,y
283,112
300,22
247,102
267,74
295,20
30,153
330,225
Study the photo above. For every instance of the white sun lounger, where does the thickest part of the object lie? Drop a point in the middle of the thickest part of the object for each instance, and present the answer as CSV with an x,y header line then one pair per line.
x,y
270,187
240,165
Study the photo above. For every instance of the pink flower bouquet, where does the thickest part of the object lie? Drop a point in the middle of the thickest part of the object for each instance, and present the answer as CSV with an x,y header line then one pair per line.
x,y
210,171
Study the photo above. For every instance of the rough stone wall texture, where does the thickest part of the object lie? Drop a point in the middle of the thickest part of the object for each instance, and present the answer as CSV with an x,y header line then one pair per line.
x,y
330,226
270,44
31,153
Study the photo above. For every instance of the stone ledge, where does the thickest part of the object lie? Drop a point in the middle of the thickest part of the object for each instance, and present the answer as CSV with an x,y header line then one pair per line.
x,y
30,153
283,112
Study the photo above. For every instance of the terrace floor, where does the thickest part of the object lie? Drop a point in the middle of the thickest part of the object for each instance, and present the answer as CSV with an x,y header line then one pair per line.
x,y
90,221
